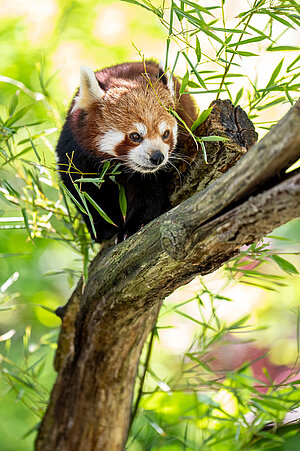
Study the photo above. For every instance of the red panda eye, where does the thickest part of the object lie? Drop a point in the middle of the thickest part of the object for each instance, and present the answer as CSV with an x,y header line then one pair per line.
x,y
136,137
166,134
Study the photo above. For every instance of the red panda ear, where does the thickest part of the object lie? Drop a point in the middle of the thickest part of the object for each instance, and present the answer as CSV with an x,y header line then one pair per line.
x,y
89,91
165,77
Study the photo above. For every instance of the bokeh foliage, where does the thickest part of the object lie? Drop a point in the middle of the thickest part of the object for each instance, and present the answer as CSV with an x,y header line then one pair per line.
x,y
181,402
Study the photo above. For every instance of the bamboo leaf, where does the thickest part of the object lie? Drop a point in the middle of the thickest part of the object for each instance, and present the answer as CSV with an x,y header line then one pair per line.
x,y
278,18
34,148
122,200
241,53
194,71
201,118
290,67
82,197
247,41
275,73
213,138
152,9
24,213
197,7
211,35
17,116
98,208
198,50
238,97
282,48
64,188
284,264
268,105
184,82
13,103
204,151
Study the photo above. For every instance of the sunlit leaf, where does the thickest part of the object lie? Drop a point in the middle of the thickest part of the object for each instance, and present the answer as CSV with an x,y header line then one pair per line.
x,y
201,118
284,264
98,208
122,201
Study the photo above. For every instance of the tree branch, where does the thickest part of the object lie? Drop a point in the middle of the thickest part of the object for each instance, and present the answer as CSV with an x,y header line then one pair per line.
x,y
106,324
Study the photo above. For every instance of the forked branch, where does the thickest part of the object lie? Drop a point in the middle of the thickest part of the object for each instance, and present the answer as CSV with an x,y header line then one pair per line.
x,y
106,324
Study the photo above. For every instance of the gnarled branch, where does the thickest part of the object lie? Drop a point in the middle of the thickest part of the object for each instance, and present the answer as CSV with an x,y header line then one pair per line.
x,y
106,324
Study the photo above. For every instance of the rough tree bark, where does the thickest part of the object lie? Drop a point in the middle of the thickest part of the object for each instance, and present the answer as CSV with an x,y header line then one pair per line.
x,y
106,322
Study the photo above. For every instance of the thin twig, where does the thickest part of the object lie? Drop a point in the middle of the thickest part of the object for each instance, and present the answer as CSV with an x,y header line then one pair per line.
x,y
140,393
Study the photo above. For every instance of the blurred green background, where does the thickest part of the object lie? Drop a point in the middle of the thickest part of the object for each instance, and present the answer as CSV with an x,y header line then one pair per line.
x,y
53,38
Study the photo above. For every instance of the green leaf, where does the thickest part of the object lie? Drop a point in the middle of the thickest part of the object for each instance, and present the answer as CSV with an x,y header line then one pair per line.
x,y
215,77
18,115
238,97
184,82
99,209
81,195
229,30
122,200
286,90
268,105
241,53
72,197
197,7
275,73
44,307
284,264
208,91
247,41
290,67
15,157
24,213
260,32
204,151
281,48
191,318
34,148
198,50
193,84
105,168
19,379
211,35
213,138
201,118
13,103
95,180
278,18
194,71
152,9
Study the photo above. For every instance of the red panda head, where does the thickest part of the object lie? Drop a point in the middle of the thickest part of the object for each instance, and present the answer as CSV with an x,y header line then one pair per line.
x,y
122,112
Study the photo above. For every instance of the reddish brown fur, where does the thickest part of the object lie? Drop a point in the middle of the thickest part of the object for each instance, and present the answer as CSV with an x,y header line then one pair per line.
x,y
131,97
124,96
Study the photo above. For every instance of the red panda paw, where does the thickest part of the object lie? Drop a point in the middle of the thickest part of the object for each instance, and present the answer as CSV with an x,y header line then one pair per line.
x,y
122,236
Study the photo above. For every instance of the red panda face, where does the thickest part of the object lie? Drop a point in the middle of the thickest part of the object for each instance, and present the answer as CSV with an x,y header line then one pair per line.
x,y
144,145
128,121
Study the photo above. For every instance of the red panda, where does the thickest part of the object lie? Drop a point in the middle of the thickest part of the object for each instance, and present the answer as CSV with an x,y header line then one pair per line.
x,y
123,113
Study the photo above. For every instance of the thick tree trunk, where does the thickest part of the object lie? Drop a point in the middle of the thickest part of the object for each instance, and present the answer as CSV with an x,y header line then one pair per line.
x,y
107,322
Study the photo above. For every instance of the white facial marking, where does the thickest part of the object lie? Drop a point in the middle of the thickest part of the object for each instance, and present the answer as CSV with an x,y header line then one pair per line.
x,y
110,140
162,127
175,132
139,157
141,128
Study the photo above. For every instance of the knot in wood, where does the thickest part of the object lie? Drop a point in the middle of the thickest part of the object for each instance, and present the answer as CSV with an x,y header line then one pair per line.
x,y
173,239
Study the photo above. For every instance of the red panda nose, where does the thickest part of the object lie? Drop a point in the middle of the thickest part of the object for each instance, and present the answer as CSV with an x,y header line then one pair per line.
x,y
157,158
